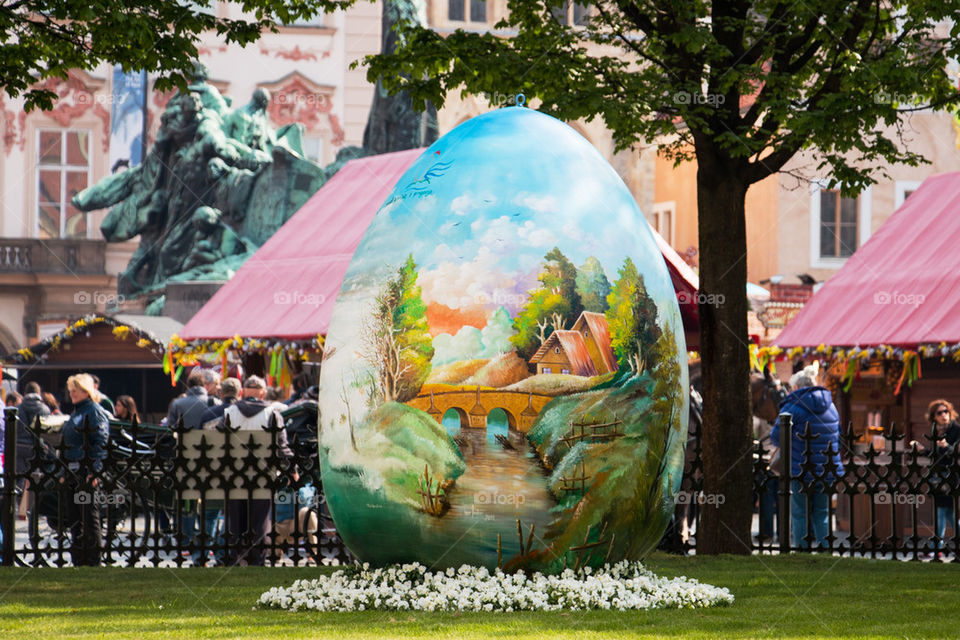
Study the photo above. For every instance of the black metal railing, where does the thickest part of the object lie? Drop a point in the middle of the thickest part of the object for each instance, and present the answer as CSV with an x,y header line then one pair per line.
x,y
896,502
168,497
176,497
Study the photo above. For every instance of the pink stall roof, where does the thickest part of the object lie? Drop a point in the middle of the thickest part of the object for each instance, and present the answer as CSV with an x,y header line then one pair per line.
x,y
901,287
288,288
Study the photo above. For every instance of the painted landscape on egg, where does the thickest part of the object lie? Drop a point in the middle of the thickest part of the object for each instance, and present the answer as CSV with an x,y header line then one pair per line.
x,y
492,398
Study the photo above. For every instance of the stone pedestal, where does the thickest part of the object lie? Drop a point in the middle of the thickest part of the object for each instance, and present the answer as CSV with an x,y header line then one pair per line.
x,y
184,299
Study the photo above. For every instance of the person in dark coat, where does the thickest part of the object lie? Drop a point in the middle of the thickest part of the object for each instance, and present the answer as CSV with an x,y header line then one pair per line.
x,y
812,408
202,385
84,467
942,476
31,408
199,397
213,509
105,400
252,517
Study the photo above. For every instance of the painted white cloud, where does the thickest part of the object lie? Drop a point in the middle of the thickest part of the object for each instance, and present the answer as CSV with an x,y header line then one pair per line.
x,y
465,345
481,282
544,203
467,202
505,235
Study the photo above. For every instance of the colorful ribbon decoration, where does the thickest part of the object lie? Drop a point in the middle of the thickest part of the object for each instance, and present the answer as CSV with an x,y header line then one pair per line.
x,y
911,370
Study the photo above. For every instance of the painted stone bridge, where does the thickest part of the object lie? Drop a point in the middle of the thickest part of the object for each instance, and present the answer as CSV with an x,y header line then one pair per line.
x,y
473,405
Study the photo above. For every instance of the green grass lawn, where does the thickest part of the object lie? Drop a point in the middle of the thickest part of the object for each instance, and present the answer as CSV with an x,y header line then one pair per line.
x,y
791,597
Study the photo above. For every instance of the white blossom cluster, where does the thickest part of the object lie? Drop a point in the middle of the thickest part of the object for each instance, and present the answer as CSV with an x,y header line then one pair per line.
x,y
410,587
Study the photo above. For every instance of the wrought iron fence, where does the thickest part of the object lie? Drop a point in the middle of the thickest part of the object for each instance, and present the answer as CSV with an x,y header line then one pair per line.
x,y
168,497
175,497
895,500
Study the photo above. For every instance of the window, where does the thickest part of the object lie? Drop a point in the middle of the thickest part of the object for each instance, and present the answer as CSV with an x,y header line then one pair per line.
x,y
556,349
567,371
902,191
572,13
63,170
838,224
663,214
315,21
547,370
458,10
313,149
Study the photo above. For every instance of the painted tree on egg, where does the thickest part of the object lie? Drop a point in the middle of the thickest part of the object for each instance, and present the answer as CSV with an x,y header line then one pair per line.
x,y
632,317
552,306
593,286
396,337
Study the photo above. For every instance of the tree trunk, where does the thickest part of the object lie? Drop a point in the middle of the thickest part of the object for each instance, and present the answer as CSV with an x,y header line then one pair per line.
x,y
725,520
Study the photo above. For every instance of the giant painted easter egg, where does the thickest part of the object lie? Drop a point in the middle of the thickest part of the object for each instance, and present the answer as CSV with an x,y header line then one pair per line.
x,y
506,379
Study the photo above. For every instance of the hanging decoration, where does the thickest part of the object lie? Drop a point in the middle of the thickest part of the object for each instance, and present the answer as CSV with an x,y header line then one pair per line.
x,y
189,352
121,331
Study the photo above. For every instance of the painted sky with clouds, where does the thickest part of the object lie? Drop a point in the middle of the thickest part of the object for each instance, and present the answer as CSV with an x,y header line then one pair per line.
x,y
482,206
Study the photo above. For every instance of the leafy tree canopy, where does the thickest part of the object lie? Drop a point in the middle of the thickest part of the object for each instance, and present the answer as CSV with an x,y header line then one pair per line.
x,y
42,39
757,81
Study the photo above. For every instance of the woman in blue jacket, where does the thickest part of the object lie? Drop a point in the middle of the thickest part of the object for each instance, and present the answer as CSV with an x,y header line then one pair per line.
x,y
811,405
84,467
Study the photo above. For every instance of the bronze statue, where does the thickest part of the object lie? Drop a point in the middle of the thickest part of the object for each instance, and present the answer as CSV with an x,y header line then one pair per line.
x,y
189,201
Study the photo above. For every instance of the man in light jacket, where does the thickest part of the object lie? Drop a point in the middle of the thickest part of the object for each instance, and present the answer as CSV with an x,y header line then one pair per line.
x,y
250,413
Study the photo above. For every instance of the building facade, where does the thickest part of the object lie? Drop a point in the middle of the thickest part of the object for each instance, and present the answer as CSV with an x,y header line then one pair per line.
x,y
795,223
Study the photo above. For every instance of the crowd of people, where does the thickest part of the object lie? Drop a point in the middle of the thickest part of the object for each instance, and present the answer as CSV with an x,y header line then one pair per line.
x,y
208,402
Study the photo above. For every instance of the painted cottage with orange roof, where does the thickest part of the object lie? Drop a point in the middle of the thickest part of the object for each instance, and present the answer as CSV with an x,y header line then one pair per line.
x,y
582,350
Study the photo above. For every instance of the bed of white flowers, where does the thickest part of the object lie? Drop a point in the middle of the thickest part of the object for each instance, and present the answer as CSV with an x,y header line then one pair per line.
x,y
411,587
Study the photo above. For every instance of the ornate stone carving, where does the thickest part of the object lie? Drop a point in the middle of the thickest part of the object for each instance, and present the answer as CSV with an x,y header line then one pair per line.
x,y
296,54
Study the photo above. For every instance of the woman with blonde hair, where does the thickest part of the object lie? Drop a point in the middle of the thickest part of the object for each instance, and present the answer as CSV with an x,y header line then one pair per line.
x,y
85,437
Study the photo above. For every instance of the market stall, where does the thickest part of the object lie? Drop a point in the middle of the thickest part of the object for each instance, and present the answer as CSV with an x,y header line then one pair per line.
x,y
888,323
125,351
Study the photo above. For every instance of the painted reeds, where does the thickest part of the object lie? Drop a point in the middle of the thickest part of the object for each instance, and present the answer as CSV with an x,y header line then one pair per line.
x,y
432,500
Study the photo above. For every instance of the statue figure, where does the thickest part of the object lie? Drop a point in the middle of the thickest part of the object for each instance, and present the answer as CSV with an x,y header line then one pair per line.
x,y
248,124
190,198
216,240
209,95
393,125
